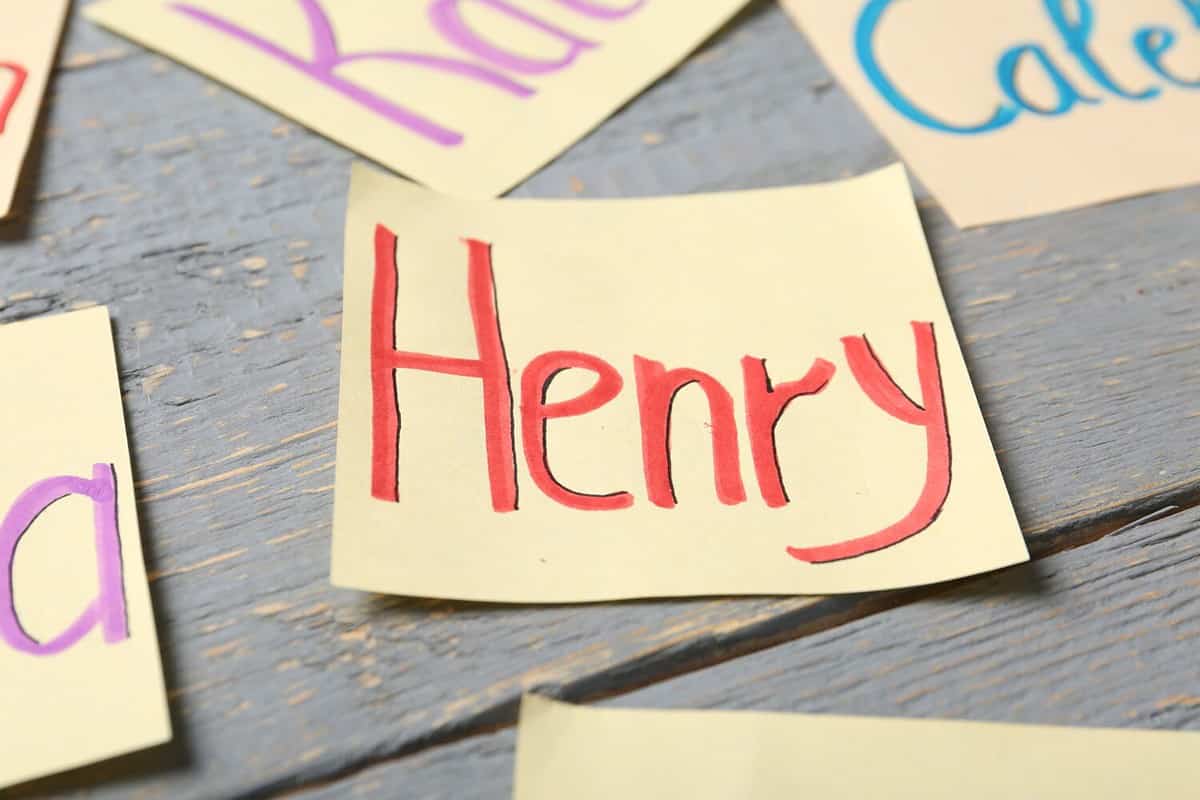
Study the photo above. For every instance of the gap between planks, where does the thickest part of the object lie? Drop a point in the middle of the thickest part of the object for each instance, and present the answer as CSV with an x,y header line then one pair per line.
x,y
810,616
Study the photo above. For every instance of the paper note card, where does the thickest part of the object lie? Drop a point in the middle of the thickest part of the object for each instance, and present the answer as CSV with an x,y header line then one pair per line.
x,y
80,678
748,393
467,96
603,753
28,43
1023,107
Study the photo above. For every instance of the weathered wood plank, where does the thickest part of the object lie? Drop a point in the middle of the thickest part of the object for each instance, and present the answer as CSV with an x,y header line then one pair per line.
x,y
212,228
1105,635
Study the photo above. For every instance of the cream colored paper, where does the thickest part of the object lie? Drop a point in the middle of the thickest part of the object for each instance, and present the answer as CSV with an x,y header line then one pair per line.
x,y
467,96
698,282
603,753
101,696
28,41
943,56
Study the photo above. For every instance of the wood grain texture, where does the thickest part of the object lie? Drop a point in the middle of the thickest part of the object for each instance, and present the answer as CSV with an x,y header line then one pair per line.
x,y
1106,635
212,228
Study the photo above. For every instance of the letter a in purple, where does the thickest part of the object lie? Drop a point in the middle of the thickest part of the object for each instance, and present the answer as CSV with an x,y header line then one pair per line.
x,y
107,610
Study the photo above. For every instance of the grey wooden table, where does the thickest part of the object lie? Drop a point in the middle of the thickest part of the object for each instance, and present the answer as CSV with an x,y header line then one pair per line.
x,y
213,227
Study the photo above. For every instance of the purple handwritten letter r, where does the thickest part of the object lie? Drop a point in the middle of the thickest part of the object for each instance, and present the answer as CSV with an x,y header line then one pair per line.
x,y
107,610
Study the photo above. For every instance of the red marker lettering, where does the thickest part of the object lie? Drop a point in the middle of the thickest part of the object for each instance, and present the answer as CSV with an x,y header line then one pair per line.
x,y
491,367
657,387
535,411
883,391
